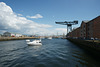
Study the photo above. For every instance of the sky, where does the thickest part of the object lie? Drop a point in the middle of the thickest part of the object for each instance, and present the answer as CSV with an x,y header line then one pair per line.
x,y
39,16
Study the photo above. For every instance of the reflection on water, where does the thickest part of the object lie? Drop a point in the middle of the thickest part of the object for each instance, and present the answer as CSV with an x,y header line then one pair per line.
x,y
53,53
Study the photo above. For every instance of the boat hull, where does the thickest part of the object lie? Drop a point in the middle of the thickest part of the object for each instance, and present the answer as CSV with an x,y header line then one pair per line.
x,y
34,44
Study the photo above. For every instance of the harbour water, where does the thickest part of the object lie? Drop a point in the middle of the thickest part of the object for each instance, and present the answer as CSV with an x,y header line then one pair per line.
x,y
53,53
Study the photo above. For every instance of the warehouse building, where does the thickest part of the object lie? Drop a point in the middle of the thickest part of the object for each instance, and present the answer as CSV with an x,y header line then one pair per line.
x,y
87,30
93,28
83,29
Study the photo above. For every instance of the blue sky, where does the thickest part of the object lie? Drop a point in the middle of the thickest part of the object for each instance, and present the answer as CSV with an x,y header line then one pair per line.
x,y
54,10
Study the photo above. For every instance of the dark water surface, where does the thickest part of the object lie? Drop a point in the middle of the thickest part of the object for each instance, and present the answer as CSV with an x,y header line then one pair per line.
x,y
53,53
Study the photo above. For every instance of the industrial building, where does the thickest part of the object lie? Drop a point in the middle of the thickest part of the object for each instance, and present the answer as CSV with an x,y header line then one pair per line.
x,y
8,34
87,30
93,28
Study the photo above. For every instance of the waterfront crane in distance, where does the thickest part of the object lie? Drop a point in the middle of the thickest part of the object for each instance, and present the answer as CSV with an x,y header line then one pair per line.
x,y
69,24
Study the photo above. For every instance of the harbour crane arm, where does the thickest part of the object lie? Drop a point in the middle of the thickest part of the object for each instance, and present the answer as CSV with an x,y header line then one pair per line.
x,y
67,23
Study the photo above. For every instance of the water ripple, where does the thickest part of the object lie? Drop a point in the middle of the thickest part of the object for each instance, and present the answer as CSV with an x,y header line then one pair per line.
x,y
53,53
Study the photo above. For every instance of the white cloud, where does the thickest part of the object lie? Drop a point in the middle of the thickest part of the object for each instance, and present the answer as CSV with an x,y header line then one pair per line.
x,y
5,8
61,30
13,22
19,14
36,16
16,23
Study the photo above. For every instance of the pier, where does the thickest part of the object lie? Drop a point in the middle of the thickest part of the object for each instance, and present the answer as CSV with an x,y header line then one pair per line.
x,y
16,38
92,46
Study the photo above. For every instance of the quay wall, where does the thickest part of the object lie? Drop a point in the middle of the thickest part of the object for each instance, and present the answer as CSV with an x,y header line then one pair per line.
x,y
90,46
16,38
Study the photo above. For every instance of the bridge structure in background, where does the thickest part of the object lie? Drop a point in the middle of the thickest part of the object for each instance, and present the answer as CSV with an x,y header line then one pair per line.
x,y
69,24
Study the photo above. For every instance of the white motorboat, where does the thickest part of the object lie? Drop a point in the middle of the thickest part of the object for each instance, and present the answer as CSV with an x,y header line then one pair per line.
x,y
34,42
50,38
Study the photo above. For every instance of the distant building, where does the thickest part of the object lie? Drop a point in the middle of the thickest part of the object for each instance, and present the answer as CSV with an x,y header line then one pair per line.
x,y
18,35
0,35
8,34
13,35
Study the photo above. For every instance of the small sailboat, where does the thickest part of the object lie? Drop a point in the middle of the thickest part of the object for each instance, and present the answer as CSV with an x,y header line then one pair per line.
x,y
34,42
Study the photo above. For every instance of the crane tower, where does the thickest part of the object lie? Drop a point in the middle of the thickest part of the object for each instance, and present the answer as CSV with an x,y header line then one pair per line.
x,y
69,25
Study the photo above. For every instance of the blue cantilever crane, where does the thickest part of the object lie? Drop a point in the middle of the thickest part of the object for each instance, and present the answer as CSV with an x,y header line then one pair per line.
x,y
69,25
